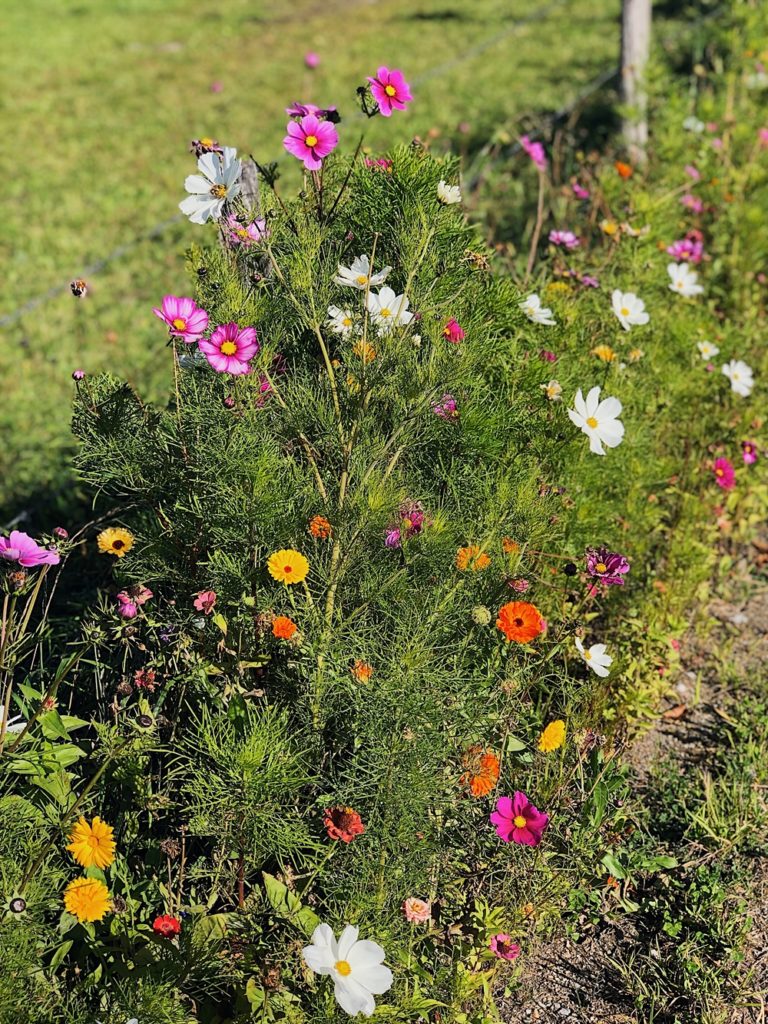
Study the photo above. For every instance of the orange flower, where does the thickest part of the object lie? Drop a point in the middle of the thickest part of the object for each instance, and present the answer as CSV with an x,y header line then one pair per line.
x,y
362,671
283,627
320,527
364,351
471,557
482,772
509,546
624,170
520,621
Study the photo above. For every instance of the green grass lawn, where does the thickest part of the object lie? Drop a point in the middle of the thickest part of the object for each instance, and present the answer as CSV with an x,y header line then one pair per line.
x,y
100,98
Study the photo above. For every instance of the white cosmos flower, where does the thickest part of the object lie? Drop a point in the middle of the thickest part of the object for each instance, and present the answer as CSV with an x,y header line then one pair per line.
x,y
534,310
683,280
356,967
388,310
595,657
707,349
740,376
359,274
448,194
341,321
599,420
553,390
15,724
629,309
693,124
216,183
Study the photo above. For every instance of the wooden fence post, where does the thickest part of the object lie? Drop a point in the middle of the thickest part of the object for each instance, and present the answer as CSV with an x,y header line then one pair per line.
x,y
635,47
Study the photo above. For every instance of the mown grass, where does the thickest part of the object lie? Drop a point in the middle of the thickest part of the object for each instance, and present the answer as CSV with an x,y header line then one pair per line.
x,y
103,97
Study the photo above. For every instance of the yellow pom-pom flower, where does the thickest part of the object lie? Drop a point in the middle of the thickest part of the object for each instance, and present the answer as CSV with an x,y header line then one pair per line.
x,y
552,737
92,845
115,541
87,898
288,566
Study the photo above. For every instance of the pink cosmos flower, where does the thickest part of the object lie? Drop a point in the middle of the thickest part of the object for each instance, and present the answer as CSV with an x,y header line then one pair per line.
x,y
131,600
246,235
763,136
692,203
503,946
589,282
379,164
693,172
417,911
725,474
311,59
535,151
230,347
565,238
205,601
518,821
446,408
689,250
216,86
300,110
390,90
184,317
547,357
20,547
519,585
453,331
579,191
609,567
311,140
749,452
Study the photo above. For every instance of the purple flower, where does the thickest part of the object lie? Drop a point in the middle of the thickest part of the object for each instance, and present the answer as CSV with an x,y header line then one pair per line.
x,y
20,547
693,172
547,357
589,282
392,537
322,113
565,238
608,566
689,250
692,203
412,518
749,452
535,151
446,408
579,191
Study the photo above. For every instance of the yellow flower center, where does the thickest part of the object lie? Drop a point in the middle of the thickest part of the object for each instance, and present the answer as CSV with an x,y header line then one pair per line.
x,y
311,140
180,324
228,348
219,191
601,567
718,472
679,284
347,321
242,233
390,90
343,968
519,821
207,142
591,422
385,312
624,311
587,655
361,279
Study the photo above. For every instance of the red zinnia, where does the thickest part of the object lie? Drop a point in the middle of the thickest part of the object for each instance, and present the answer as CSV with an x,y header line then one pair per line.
x,y
166,926
342,823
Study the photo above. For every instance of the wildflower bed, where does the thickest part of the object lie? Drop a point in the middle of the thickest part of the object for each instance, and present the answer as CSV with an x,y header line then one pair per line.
x,y
407,548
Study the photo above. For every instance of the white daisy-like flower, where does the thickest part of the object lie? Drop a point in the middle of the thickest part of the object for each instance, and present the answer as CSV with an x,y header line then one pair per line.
x,y
693,124
388,310
448,194
629,309
534,310
707,349
13,725
356,967
595,657
340,321
217,182
553,391
599,420
359,275
741,377
683,280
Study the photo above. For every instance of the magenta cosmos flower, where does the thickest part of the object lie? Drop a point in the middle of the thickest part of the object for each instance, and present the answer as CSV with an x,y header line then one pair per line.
x,y
535,151
749,452
446,408
230,347
184,317
518,821
503,946
566,239
20,547
390,90
311,140
689,250
453,331
725,474
608,566
241,234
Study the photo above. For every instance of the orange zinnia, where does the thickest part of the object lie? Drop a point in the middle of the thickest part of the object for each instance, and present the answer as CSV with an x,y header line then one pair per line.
x,y
471,557
624,170
283,627
509,546
520,621
320,527
362,671
482,772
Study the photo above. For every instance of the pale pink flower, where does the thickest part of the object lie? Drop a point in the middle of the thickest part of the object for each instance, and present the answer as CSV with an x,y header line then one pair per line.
x,y
417,911
205,601
311,59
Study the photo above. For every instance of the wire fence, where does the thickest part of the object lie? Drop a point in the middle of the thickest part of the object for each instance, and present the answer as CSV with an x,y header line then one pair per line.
x,y
541,14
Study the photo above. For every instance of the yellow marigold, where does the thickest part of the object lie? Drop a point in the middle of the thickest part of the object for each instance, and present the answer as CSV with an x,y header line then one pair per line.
x,y
509,546
362,671
558,286
288,566
471,557
87,898
115,541
609,227
604,352
320,527
552,737
363,350
92,845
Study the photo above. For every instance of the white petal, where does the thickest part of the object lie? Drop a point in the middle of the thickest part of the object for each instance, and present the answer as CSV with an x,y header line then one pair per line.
x,y
375,977
594,444
364,953
347,939
609,408
579,405
593,400
197,185
577,419
210,166
353,997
